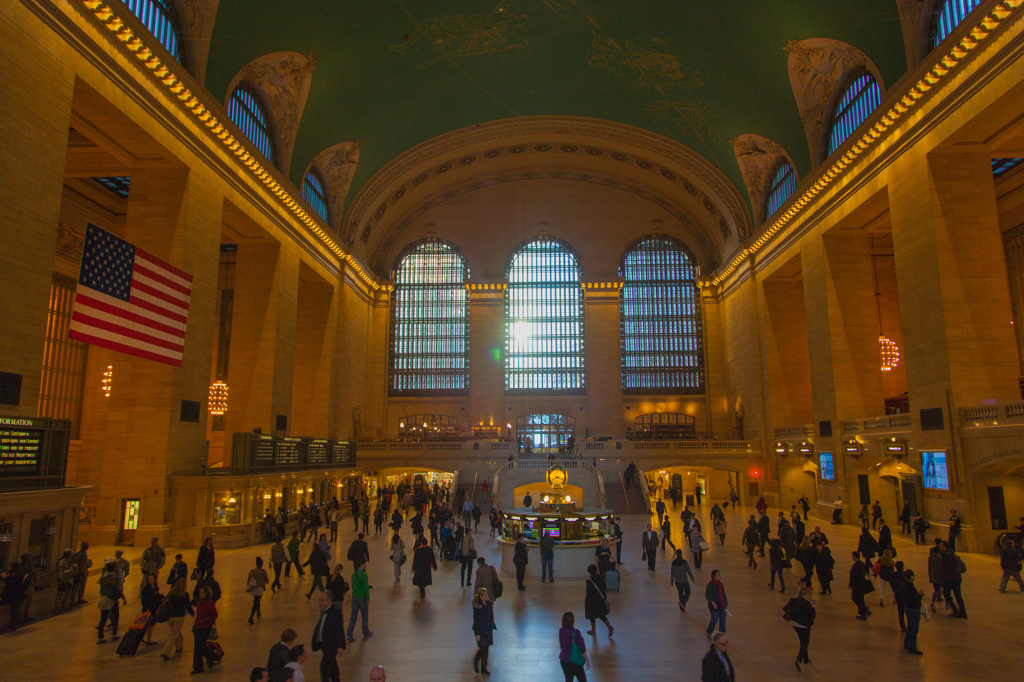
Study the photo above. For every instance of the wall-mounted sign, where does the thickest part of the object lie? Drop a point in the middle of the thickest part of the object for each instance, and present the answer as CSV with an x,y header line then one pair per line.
x,y
936,475
805,449
851,448
828,471
781,450
894,449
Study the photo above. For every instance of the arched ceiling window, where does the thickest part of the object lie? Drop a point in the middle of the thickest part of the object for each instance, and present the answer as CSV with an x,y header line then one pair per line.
x,y
315,193
780,187
249,114
544,319
430,321
948,14
860,96
161,19
662,342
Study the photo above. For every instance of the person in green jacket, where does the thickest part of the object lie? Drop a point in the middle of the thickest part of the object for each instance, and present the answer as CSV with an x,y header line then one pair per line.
x,y
360,601
293,554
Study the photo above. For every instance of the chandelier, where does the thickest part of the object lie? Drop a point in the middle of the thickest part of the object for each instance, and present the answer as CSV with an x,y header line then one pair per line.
x,y
218,398
108,380
887,348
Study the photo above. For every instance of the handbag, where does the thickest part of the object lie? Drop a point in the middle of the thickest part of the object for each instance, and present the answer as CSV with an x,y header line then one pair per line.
x,y
496,585
195,573
105,603
576,656
704,546
214,636
141,621
604,596
163,612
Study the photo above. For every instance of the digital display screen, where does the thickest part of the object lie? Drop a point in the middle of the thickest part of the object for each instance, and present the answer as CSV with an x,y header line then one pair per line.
x,y
936,476
828,471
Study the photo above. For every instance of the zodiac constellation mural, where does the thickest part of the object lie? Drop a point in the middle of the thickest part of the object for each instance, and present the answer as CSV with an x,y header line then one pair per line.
x,y
649,66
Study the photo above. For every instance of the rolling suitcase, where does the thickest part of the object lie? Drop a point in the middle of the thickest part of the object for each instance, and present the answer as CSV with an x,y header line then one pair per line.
x,y
129,643
611,579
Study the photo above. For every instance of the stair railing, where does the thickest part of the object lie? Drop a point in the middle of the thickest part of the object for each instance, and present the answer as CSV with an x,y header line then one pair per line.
x,y
625,495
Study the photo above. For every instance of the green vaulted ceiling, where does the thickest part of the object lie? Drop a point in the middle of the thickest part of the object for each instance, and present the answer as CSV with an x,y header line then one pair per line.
x,y
394,73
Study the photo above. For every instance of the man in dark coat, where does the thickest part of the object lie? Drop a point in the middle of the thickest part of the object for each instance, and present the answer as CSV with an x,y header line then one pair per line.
x,y
281,653
884,536
520,558
649,542
867,546
358,551
329,637
764,528
716,666
860,585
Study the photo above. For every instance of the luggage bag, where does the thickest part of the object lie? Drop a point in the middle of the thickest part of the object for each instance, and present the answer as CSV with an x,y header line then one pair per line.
x,y
611,579
129,644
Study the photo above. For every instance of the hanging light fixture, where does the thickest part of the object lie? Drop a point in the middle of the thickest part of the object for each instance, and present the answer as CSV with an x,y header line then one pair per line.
x,y
108,380
218,398
887,348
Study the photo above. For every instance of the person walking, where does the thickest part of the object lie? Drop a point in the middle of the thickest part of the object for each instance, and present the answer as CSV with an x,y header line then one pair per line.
x,y
876,514
572,654
278,558
935,575
697,544
178,605
337,586
824,565
649,542
807,558
953,569
298,659
467,555
153,559
280,653
721,526
423,564
1010,562
912,601
151,600
777,562
319,569
360,602
206,618
486,576
293,555
256,585
520,557
666,533
110,594
206,558
884,569
718,603
860,585
617,534
493,518
329,638
750,539
603,552
596,602
483,629
716,666
397,555
799,611
358,551
764,526
681,575
954,529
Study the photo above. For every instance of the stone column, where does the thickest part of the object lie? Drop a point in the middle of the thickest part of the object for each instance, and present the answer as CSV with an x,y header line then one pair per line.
x,y
603,348
315,353
787,370
263,336
486,355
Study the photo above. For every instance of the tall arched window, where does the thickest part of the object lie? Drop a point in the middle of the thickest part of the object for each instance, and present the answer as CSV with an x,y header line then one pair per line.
x,y
860,97
246,110
544,319
315,193
780,187
948,14
662,343
430,321
161,20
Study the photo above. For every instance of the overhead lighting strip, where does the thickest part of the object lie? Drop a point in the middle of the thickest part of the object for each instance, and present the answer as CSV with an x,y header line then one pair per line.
x,y
978,35
193,104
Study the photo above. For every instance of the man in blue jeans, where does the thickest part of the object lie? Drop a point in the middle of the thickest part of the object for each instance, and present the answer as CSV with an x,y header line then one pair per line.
x,y
360,601
547,556
718,603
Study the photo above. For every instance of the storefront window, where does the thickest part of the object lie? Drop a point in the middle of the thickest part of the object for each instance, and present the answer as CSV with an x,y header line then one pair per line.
x,y
226,508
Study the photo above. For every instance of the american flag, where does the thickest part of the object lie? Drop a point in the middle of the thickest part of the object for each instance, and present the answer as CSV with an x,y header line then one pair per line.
x,y
130,301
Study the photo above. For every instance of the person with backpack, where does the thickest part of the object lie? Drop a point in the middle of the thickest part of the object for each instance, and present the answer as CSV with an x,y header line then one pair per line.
x,y
920,528
800,614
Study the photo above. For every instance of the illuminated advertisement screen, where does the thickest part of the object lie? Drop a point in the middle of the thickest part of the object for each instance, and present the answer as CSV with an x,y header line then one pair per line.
x,y
828,471
936,476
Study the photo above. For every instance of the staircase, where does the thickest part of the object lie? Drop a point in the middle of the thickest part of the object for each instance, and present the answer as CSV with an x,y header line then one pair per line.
x,y
622,500
474,493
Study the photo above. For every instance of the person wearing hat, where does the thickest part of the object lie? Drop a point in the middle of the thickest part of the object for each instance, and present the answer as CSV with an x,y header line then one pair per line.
x,y
123,568
153,559
65,581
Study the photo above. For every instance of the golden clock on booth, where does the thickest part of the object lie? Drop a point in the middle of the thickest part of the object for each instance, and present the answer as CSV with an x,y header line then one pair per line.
x,y
557,477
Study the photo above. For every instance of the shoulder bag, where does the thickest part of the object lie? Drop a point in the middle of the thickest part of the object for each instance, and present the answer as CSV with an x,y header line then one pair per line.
x,y
576,655
496,585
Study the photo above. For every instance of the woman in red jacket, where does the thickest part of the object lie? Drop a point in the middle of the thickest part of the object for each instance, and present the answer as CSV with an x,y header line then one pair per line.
x,y
206,617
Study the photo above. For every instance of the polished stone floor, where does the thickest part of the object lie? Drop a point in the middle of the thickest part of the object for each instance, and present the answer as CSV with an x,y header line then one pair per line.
x,y
428,640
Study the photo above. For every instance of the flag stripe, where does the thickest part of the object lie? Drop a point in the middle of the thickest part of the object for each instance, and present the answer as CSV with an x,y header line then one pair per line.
x,y
155,308
180,276
86,337
114,315
143,267
140,286
116,328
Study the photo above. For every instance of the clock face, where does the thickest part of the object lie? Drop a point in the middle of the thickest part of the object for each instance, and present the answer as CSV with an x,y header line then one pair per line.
x,y
556,477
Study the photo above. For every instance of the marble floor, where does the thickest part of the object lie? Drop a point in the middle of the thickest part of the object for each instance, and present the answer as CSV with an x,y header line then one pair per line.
x,y
430,640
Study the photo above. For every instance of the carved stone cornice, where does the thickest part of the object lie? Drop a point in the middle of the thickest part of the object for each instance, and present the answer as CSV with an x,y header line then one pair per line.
x,y
69,243
196,18
755,156
560,147
815,67
338,164
283,78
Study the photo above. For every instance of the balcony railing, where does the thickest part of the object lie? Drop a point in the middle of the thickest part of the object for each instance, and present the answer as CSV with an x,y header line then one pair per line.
x,y
617,448
798,431
993,414
890,423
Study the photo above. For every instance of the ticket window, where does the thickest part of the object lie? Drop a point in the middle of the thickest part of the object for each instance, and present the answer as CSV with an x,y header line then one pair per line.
x,y
552,528
226,509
